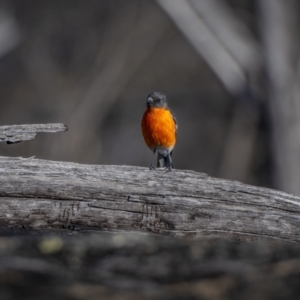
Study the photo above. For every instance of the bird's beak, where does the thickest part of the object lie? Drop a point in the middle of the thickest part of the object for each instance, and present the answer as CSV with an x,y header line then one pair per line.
x,y
149,101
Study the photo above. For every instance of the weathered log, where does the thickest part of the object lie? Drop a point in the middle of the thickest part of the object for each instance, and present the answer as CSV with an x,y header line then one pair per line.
x,y
40,194
17,133
126,266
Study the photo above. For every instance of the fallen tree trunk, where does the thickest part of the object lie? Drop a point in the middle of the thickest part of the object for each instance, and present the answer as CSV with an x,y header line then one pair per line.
x,y
48,195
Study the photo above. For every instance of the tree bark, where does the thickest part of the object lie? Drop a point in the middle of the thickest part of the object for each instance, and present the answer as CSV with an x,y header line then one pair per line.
x,y
40,194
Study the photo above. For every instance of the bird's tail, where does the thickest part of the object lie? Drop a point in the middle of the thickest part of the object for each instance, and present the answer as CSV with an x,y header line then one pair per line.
x,y
164,161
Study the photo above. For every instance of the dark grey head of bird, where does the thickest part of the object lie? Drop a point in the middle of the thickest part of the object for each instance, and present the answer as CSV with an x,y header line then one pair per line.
x,y
156,99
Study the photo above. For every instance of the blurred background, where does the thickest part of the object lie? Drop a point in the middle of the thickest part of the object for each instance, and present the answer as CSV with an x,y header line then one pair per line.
x,y
230,70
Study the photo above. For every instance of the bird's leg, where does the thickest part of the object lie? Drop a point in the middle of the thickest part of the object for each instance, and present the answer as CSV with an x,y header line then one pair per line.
x,y
169,164
160,161
151,166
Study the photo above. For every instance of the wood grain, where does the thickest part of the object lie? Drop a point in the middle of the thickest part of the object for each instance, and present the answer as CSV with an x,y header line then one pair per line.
x,y
40,194
17,133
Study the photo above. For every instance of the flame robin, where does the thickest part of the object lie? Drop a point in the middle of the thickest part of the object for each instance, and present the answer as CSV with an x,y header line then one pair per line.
x,y
159,128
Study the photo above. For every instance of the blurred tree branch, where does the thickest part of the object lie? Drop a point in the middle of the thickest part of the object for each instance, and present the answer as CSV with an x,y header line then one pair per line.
x,y
279,38
219,37
9,33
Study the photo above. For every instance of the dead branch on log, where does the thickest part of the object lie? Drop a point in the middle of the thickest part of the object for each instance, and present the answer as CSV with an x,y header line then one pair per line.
x,y
40,194
18,133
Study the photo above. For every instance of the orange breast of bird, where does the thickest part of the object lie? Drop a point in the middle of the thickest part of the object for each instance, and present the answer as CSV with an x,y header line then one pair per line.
x,y
159,128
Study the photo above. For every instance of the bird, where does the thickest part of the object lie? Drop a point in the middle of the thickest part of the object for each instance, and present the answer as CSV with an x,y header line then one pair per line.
x,y
159,129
